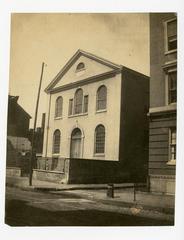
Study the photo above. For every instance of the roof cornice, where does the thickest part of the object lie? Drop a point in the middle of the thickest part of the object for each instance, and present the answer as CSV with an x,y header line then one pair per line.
x,y
163,110
73,59
83,82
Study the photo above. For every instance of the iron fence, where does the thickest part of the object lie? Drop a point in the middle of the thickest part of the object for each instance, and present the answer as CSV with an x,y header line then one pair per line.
x,y
51,164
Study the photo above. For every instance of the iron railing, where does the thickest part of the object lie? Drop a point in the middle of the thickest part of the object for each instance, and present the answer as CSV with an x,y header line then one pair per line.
x,y
51,164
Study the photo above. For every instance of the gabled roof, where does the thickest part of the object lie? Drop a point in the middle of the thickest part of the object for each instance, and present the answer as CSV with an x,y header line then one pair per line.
x,y
73,59
14,100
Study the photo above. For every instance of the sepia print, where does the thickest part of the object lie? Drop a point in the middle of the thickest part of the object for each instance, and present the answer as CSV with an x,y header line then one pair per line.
x,y
91,131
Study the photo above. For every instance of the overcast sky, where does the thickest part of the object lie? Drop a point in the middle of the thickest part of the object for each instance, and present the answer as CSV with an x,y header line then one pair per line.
x,y
54,38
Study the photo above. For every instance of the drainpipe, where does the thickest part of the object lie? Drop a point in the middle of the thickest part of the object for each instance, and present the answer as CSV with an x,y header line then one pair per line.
x,y
34,128
47,132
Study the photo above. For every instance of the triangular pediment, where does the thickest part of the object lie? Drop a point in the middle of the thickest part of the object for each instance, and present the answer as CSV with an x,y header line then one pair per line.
x,y
81,66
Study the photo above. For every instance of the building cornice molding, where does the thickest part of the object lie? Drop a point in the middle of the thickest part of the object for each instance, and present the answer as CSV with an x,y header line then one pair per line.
x,y
164,110
85,81
73,59
170,64
162,176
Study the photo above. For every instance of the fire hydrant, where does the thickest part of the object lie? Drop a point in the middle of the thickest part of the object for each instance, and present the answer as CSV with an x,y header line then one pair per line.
x,y
110,190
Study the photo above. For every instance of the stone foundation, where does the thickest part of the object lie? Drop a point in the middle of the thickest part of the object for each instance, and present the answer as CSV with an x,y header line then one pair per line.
x,y
52,176
162,184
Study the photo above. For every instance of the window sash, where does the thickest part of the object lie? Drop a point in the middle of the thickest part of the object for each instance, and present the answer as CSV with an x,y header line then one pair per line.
x,y
78,108
101,104
59,107
70,110
171,35
80,66
56,142
172,28
85,104
78,102
173,144
101,98
172,85
100,140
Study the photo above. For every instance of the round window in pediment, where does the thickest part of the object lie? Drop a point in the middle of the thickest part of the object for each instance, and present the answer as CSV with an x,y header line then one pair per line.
x,y
80,67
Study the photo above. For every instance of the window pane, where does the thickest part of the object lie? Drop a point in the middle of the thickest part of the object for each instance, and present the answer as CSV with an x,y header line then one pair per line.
x,y
101,104
172,35
172,78
78,101
59,106
173,137
172,28
56,142
80,66
70,110
172,43
100,139
173,144
76,134
85,104
101,98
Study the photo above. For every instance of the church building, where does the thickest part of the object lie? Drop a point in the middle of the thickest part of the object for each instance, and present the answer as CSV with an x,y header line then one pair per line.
x,y
96,128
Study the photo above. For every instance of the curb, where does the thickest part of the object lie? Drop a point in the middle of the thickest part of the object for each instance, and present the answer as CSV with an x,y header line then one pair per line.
x,y
134,208
130,208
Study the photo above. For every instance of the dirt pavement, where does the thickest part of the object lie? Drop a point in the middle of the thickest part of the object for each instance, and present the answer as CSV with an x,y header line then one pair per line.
x,y
28,208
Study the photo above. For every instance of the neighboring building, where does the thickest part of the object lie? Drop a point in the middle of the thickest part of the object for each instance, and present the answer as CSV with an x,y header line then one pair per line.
x,y
18,118
96,126
17,136
163,98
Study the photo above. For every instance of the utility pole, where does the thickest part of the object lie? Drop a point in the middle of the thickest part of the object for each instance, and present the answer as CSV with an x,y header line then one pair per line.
x,y
34,128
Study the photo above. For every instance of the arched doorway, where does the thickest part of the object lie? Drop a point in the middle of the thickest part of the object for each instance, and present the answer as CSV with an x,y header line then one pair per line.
x,y
75,149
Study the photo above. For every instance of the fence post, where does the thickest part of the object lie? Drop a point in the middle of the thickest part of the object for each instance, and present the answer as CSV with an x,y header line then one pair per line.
x,y
110,190
148,183
134,192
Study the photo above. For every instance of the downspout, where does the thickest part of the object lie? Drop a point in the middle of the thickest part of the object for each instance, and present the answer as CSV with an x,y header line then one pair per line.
x,y
47,132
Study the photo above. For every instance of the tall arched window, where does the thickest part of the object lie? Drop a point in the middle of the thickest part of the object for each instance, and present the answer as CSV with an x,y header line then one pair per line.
x,y
59,107
100,139
78,101
101,98
56,141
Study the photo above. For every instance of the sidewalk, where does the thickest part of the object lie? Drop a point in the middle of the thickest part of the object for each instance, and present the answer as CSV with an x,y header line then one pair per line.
x,y
23,182
122,196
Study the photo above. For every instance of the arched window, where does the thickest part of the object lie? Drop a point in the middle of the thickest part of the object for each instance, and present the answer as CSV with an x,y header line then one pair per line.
x,y
76,138
100,139
78,101
101,98
59,107
80,66
56,141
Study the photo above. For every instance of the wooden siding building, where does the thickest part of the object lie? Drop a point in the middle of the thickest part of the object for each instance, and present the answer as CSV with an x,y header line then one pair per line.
x,y
18,145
